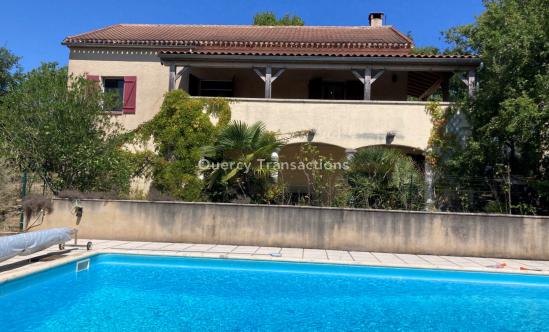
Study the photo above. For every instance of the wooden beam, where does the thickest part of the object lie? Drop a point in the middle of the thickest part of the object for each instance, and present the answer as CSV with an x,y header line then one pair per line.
x,y
431,89
355,62
277,74
463,79
322,66
378,75
358,76
181,72
171,85
260,74
184,75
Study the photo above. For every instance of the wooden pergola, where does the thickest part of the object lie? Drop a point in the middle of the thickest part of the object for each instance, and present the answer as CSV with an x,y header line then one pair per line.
x,y
426,74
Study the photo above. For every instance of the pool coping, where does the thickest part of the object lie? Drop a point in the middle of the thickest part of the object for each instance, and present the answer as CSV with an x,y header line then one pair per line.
x,y
80,255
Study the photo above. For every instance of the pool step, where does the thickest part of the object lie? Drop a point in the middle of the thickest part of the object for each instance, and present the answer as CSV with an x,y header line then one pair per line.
x,y
83,265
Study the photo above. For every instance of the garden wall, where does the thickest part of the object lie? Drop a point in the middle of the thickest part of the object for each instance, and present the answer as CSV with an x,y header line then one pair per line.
x,y
309,227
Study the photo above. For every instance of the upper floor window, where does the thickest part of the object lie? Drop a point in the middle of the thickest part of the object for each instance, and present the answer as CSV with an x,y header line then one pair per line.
x,y
124,88
115,86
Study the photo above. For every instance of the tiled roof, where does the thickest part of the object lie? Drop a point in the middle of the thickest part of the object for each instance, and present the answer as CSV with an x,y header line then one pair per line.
x,y
252,40
332,52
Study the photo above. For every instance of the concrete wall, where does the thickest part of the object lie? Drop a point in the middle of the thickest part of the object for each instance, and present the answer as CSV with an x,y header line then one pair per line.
x,y
308,227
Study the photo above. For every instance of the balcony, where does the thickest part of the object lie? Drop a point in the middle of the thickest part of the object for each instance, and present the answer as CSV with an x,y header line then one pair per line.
x,y
349,124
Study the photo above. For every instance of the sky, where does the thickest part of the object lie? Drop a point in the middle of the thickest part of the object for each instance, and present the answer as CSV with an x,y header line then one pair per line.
x,y
34,29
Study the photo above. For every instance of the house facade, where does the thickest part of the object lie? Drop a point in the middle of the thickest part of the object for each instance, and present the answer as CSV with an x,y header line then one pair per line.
x,y
350,87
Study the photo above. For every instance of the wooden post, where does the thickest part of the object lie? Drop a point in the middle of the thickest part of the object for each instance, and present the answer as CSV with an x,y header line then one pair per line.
x,y
471,82
268,78
268,85
368,83
445,86
366,78
171,85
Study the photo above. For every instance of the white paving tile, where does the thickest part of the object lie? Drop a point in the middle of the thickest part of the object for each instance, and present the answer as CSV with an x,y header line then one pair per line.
x,y
267,250
199,247
245,250
411,259
387,258
222,248
292,252
177,246
130,245
102,245
363,256
339,255
314,254
155,245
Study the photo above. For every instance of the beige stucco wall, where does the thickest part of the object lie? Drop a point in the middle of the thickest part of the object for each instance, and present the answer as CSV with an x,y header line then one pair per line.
x,y
456,234
348,124
152,77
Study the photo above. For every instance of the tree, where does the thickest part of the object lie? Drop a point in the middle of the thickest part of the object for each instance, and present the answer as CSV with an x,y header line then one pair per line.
x,y
426,50
507,153
54,125
269,19
179,132
383,178
242,145
10,70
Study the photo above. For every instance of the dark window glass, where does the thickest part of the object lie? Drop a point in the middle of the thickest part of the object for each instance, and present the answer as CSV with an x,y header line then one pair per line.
x,y
115,86
354,90
333,90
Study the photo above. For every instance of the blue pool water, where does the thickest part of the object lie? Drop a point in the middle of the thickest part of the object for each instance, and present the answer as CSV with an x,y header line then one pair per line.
x,y
147,293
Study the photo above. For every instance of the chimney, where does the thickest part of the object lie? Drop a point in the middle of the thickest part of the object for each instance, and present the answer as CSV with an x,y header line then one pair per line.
x,y
376,19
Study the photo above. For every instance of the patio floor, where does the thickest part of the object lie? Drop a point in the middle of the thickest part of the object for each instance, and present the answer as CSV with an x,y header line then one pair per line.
x,y
21,265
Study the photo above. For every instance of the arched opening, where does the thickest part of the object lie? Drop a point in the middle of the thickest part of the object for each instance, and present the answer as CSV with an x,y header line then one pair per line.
x,y
296,160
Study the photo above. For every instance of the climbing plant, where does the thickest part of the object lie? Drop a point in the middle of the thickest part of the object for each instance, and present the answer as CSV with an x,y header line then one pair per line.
x,y
178,132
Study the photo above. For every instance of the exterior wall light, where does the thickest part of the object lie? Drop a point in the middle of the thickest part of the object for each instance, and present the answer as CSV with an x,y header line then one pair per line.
x,y
390,137
311,135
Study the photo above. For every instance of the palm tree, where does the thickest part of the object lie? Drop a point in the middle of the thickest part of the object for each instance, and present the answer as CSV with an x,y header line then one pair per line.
x,y
243,145
385,178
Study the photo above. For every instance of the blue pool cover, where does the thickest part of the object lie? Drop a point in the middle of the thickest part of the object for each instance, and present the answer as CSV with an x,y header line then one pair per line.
x,y
148,293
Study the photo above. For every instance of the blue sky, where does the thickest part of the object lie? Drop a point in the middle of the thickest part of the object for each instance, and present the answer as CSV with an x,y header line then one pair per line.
x,y
35,29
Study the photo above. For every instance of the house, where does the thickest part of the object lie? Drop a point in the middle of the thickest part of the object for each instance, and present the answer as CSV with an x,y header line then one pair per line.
x,y
351,87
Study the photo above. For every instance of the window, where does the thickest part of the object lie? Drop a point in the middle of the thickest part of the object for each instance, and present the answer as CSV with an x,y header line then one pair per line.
x,y
115,86
124,88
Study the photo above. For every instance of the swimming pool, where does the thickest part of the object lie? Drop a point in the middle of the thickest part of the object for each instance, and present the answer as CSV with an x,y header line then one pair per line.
x,y
155,293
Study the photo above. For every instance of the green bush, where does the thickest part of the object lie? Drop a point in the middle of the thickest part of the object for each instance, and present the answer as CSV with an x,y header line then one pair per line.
x,y
384,178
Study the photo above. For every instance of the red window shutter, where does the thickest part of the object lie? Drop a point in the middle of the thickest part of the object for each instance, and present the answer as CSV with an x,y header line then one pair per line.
x,y
94,78
96,82
130,85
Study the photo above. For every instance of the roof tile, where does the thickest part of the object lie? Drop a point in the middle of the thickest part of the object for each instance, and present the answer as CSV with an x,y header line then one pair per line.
x,y
364,41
